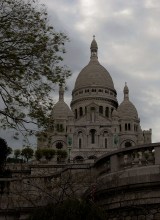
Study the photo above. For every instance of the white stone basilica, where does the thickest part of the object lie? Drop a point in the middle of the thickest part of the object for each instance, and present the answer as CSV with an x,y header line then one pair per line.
x,y
95,124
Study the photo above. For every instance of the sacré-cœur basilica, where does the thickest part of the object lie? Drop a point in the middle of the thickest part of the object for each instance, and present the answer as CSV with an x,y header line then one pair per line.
x,y
95,124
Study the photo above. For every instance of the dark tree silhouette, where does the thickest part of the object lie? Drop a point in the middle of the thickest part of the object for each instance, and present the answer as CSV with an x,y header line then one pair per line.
x,y
27,153
4,152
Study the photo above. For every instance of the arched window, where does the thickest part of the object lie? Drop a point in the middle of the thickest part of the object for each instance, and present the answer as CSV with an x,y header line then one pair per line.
x,y
80,111
92,131
107,112
59,145
105,142
128,144
111,110
57,127
61,127
129,127
101,109
80,143
78,159
92,157
105,133
75,113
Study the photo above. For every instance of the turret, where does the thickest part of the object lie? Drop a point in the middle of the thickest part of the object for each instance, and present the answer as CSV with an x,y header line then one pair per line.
x,y
61,93
126,92
94,49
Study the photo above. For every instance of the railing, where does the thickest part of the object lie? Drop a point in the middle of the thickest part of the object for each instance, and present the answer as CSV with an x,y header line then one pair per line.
x,y
129,158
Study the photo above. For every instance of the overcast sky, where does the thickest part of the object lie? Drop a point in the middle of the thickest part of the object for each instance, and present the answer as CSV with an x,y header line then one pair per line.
x,y
128,37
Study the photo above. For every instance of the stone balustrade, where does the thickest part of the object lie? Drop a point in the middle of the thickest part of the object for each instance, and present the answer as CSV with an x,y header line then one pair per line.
x,y
127,158
128,183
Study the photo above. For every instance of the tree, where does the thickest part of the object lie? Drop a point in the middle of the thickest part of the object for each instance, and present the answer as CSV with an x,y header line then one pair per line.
x,y
17,153
48,185
48,153
30,63
4,152
27,153
38,154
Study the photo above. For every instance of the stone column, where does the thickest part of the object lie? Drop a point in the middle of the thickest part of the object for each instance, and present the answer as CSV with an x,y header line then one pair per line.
x,y
157,155
114,163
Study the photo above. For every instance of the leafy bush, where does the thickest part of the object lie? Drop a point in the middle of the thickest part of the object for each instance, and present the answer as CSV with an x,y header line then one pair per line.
x,y
27,153
38,154
48,153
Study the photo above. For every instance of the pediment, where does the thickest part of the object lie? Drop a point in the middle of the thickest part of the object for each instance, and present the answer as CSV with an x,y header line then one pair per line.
x,y
100,120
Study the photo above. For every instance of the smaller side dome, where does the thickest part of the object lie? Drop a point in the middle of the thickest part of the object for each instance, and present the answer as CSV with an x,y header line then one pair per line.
x,y
61,109
126,109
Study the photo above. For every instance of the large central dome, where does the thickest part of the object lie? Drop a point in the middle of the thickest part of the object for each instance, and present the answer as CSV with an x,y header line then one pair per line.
x,y
94,83
94,74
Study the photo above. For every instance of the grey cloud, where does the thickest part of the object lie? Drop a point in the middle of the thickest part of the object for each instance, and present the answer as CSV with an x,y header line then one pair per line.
x,y
129,47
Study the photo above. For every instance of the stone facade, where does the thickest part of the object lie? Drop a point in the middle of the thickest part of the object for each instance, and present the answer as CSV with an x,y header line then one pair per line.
x,y
96,123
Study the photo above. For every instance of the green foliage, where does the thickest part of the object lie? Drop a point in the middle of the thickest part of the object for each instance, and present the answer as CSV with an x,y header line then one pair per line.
x,y
4,152
69,210
30,63
48,153
39,154
17,153
61,153
27,153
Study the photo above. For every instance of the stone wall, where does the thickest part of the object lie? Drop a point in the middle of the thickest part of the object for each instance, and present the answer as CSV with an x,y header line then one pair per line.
x,y
128,183
138,213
